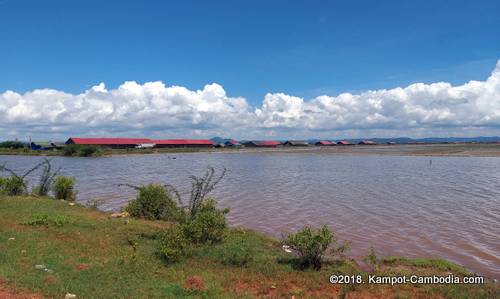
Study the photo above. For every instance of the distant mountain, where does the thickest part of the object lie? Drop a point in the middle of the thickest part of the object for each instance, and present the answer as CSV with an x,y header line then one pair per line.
x,y
219,140
407,140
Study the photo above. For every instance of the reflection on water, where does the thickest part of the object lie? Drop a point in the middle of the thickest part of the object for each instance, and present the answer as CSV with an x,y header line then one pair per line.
x,y
401,205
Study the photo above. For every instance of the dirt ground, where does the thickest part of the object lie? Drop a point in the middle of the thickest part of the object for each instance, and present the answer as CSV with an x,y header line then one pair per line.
x,y
9,292
438,150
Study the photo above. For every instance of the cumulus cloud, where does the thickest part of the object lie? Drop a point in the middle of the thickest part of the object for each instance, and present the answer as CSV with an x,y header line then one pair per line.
x,y
153,109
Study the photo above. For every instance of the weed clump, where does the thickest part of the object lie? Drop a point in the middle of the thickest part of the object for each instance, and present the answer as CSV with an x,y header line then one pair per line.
x,y
46,219
237,254
372,260
64,188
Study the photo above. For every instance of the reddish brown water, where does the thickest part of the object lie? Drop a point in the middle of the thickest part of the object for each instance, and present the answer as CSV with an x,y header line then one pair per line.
x,y
400,205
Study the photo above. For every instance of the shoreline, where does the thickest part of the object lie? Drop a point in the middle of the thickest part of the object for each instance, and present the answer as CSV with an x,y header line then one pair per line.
x,y
425,150
103,250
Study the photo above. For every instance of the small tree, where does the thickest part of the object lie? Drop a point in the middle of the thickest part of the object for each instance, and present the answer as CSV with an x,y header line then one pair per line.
x,y
201,187
46,178
64,188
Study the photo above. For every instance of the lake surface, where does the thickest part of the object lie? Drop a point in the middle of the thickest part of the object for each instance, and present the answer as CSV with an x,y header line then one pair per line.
x,y
449,208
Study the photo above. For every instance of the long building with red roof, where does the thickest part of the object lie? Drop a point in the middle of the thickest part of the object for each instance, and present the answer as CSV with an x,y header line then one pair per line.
x,y
159,143
110,142
139,142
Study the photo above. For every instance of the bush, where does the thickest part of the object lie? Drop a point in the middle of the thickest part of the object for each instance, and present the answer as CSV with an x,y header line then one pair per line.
x,y
172,244
12,144
154,202
63,188
89,150
70,149
208,225
310,245
12,185
82,150
16,184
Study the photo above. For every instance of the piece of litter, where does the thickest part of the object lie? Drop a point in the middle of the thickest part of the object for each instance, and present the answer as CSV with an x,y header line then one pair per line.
x,y
48,270
23,251
12,239
286,248
40,267
71,203
69,296
119,215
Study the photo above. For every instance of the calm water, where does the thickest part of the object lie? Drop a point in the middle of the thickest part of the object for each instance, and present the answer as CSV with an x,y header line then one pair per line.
x,y
400,205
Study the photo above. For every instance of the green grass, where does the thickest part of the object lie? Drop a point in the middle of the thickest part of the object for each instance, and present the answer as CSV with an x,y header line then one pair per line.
x,y
90,254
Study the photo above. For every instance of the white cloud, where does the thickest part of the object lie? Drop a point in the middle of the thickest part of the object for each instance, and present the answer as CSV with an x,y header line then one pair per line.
x,y
153,109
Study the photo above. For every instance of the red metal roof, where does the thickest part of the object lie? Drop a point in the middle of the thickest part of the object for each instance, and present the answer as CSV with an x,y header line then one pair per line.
x,y
183,141
325,142
344,142
269,143
109,141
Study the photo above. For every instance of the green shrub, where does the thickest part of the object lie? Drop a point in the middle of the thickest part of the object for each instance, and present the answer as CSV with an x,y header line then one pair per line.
x,y
82,150
70,149
310,245
64,188
89,150
154,202
236,254
12,144
45,219
173,244
208,225
12,185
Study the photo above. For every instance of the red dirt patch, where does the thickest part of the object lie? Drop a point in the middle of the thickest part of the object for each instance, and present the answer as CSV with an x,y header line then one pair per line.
x,y
194,284
51,279
285,286
81,267
8,292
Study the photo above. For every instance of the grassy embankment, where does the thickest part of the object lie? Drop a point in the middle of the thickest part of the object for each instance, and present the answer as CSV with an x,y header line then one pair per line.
x,y
87,253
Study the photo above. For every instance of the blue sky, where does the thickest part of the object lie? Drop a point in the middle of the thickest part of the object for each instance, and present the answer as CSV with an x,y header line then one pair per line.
x,y
250,48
